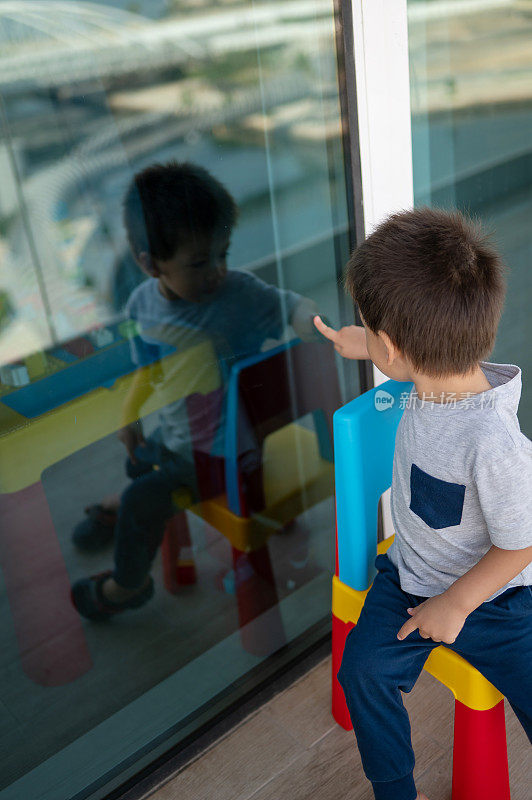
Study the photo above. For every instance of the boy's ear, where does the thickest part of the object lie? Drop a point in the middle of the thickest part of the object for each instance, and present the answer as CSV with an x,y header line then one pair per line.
x,y
392,351
147,264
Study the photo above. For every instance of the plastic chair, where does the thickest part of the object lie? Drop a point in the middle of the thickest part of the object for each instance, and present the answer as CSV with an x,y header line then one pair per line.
x,y
364,439
291,470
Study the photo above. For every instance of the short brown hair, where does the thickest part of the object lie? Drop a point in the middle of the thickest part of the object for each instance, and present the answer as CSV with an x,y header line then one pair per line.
x,y
166,205
430,280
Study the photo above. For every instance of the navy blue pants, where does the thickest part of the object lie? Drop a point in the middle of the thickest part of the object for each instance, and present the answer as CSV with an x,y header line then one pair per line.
x,y
376,667
145,507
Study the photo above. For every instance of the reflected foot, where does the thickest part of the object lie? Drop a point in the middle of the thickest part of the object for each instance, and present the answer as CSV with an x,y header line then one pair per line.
x,y
115,593
90,601
111,502
96,530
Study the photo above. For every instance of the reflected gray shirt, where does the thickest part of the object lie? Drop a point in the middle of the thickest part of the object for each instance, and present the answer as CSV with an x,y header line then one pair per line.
x,y
237,320
462,482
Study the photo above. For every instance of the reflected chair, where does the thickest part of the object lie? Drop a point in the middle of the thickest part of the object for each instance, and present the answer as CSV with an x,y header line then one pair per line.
x,y
364,438
273,468
74,396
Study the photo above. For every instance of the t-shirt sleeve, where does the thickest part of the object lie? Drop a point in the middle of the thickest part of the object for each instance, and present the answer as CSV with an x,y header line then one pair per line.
x,y
271,308
504,488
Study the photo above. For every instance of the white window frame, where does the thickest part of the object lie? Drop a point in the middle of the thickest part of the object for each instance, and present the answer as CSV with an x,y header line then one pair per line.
x,y
380,44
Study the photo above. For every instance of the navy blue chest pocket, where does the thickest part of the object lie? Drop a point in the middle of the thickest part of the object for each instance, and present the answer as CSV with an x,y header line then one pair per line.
x,y
438,503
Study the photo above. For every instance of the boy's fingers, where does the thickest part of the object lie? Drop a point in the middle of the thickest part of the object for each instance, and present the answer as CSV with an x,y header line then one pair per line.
x,y
324,329
408,628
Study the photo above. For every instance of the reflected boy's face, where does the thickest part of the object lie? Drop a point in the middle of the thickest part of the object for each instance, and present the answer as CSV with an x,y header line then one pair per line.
x,y
196,270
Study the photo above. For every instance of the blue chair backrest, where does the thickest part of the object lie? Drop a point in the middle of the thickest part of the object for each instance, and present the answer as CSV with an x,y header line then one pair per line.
x,y
279,386
364,442
232,418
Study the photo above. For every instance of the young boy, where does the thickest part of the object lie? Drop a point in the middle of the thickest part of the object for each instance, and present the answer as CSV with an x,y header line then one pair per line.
x,y
430,291
179,221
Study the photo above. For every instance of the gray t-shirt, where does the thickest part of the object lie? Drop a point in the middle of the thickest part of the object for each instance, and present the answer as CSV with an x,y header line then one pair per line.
x,y
462,482
237,320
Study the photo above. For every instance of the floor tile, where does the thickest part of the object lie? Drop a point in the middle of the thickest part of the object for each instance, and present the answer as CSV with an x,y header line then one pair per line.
x,y
238,765
305,708
330,770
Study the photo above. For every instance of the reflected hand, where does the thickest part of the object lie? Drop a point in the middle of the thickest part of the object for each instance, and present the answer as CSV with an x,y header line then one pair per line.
x,y
132,436
437,618
301,320
349,342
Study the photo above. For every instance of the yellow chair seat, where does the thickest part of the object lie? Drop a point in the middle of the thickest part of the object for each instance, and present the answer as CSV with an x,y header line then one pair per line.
x,y
465,682
295,478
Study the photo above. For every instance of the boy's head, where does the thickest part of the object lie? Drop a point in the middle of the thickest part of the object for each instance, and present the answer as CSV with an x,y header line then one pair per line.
x,y
179,220
429,286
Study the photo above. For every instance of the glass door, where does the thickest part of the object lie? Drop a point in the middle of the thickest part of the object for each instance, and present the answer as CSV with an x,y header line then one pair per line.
x,y
173,212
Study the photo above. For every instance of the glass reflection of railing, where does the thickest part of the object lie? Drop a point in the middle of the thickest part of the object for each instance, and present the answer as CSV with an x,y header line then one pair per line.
x,y
52,54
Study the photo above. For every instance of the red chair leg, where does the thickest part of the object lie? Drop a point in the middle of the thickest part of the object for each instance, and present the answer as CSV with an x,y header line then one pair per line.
x,y
339,707
261,626
480,760
50,634
178,565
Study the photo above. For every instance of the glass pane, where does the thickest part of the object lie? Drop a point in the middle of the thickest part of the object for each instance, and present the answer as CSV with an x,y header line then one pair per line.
x,y
471,90
172,214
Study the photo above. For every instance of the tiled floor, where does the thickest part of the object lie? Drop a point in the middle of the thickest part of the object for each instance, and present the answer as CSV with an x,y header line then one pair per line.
x,y
291,748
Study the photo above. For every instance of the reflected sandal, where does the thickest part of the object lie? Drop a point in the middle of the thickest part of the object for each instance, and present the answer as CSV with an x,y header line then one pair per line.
x,y
96,531
88,599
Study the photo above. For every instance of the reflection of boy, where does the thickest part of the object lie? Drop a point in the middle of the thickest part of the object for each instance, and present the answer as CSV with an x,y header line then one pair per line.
x,y
179,221
430,291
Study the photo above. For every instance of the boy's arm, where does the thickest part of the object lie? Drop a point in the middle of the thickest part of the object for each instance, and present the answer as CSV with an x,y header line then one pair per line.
x,y
130,432
267,304
503,484
493,571
349,342
442,617
139,391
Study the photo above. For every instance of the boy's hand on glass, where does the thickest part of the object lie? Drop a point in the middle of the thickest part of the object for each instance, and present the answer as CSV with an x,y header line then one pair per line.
x,y
349,342
437,618
132,436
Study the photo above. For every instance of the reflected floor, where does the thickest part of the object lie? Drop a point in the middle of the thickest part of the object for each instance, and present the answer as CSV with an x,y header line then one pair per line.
x,y
138,650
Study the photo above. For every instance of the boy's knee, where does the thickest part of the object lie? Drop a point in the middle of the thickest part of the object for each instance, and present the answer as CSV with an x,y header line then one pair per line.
x,y
360,661
144,499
